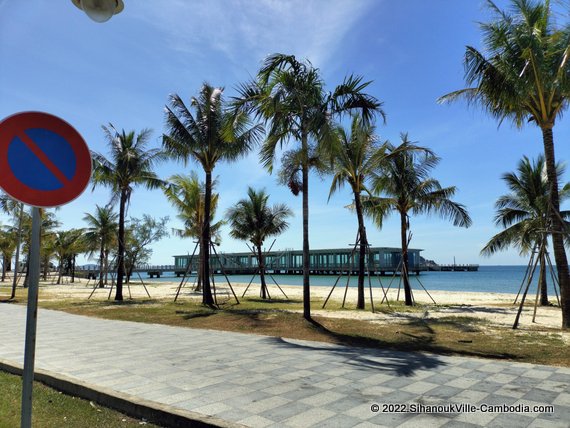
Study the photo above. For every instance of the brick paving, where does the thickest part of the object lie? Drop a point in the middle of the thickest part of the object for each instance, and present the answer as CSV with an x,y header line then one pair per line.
x,y
263,381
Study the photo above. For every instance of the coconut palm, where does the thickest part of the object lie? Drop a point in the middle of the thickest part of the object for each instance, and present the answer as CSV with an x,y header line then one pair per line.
x,y
356,157
253,220
8,242
187,196
523,77
66,244
100,235
16,210
207,135
130,164
407,188
289,95
524,214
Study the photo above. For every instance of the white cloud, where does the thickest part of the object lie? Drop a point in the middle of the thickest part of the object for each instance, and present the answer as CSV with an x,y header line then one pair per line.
x,y
245,31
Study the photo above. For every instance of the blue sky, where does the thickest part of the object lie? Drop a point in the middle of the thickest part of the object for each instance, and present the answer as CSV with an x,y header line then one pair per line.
x,y
54,59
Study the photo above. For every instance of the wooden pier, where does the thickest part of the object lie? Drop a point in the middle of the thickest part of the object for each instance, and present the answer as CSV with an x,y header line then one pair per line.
x,y
336,261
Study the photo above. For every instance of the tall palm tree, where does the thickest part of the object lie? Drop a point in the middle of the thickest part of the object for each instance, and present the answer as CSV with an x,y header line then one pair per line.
x,y
130,164
100,235
524,214
408,189
524,78
356,157
290,96
207,135
253,220
187,196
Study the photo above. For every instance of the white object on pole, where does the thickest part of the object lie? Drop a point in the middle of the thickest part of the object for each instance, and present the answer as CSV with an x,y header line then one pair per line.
x,y
100,10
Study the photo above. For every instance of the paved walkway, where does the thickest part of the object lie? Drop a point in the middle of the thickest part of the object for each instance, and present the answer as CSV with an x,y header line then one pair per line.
x,y
265,381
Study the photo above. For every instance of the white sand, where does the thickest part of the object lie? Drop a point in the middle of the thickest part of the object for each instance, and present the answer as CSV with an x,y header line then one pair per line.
x,y
496,308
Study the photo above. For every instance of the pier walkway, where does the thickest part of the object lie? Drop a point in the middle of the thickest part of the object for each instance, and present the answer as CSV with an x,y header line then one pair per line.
x,y
262,381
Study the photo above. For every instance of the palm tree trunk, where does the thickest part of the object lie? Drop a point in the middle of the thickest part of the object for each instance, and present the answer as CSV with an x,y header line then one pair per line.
x,y
3,267
200,265
73,268
101,265
558,227
60,273
207,298
305,185
363,247
18,245
106,267
405,276
46,268
121,249
542,282
261,260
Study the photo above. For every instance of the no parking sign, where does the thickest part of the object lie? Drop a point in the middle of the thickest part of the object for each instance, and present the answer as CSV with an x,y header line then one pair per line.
x,y
44,161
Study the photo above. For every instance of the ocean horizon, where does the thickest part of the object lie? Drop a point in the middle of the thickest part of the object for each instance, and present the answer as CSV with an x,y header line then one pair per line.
x,y
488,279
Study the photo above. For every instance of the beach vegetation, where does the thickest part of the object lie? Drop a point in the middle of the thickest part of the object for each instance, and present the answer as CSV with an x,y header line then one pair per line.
x,y
66,245
140,234
187,195
8,242
412,329
356,157
290,97
254,220
522,76
403,185
15,209
207,133
101,235
131,163
525,216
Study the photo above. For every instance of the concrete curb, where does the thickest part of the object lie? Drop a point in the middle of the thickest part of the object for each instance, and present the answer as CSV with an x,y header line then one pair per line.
x,y
157,413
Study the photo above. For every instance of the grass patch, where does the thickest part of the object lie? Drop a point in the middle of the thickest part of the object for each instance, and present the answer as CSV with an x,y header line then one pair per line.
x,y
51,408
449,335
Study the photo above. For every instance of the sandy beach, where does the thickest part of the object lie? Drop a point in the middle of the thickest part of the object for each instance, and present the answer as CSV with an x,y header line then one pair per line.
x,y
496,308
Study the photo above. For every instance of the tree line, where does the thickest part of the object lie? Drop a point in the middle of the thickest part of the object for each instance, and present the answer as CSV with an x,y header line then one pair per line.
x,y
523,76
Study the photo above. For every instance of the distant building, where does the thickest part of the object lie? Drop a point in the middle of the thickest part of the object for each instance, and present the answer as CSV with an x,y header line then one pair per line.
x,y
324,262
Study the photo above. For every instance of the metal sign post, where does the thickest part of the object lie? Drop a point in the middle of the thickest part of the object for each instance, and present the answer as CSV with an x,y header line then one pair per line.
x,y
44,163
31,321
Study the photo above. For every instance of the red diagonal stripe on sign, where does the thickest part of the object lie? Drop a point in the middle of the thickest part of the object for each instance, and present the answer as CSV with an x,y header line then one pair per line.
x,y
43,158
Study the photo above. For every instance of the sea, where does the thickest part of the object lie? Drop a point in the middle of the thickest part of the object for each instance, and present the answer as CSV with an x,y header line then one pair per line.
x,y
488,279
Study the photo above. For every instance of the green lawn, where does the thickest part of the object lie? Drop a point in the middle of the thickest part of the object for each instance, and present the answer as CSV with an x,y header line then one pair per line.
x,y
54,409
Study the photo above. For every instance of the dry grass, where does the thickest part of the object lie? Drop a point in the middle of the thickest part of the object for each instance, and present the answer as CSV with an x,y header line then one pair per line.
x,y
450,335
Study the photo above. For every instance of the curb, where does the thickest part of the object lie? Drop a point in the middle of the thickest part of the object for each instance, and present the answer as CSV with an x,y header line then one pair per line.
x,y
157,413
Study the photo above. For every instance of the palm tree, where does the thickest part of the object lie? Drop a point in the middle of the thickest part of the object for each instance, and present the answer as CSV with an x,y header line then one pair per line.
x,y
524,215
407,188
524,78
254,220
131,164
15,209
8,241
187,195
355,159
207,135
65,245
100,235
289,95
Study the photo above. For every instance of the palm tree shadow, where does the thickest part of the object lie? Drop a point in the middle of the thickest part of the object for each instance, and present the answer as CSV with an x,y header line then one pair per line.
x,y
365,358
